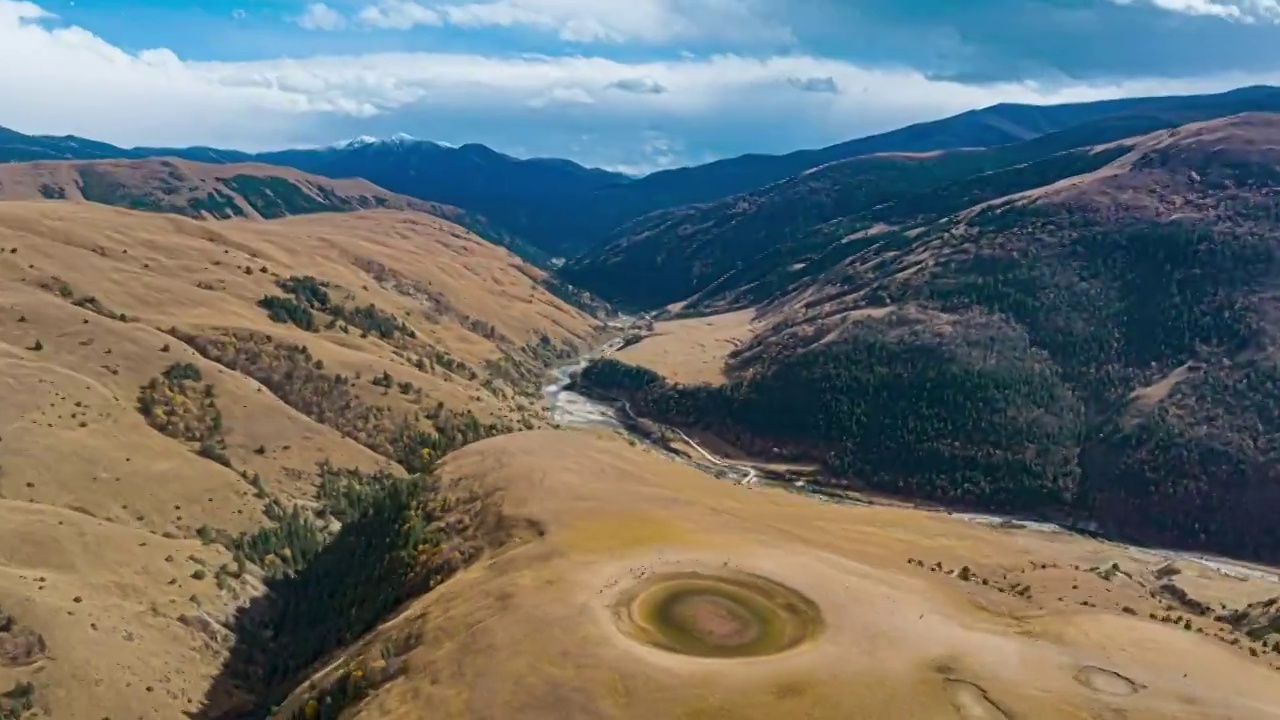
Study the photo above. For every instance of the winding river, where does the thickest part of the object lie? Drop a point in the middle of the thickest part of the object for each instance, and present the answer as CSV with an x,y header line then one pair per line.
x,y
570,409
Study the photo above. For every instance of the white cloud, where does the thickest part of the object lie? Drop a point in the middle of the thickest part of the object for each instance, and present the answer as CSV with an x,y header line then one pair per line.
x,y
17,12
397,15
591,21
657,152
319,16
64,79
1238,10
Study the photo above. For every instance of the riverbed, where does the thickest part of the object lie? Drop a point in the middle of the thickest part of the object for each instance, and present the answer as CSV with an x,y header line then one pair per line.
x,y
570,409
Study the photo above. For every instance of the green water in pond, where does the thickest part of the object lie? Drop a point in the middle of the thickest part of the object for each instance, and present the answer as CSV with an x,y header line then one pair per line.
x,y
729,615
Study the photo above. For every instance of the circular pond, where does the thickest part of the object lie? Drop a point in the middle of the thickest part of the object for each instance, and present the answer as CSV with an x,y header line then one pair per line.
x,y
729,615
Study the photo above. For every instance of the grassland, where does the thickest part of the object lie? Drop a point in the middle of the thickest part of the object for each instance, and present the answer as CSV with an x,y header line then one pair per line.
x,y
110,518
924,615
691,350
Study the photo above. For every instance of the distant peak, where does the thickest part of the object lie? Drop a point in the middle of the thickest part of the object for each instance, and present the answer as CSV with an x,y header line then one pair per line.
x,y
356,142
395,139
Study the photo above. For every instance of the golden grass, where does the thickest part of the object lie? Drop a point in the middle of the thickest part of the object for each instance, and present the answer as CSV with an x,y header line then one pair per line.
x,y
94,500
174,182
529,633
107,599
692,350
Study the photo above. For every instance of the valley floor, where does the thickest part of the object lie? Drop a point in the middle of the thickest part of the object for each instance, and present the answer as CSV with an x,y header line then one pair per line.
x,y
691,350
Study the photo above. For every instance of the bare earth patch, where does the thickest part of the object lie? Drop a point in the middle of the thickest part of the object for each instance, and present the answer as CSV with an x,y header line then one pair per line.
x,y
1106,681
721,615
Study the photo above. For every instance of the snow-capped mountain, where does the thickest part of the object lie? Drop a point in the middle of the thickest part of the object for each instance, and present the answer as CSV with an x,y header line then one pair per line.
x,y
398,139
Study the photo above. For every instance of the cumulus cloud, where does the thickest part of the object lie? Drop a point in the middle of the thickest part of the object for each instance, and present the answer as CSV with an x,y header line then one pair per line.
x,y
397,15
22,11
319,16
64,79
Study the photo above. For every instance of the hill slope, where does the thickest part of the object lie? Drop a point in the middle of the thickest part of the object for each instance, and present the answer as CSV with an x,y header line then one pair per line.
x,y
1101,348
170,386
219,191
472,176
536,200
720,250
1002,624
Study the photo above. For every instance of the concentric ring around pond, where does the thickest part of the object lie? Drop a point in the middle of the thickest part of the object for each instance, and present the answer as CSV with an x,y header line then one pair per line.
x,y
721,615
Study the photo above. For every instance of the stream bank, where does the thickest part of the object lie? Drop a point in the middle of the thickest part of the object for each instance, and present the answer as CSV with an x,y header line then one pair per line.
x,y
571,409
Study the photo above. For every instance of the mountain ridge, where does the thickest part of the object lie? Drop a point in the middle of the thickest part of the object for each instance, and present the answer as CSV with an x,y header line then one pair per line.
x,y
565,209
710,253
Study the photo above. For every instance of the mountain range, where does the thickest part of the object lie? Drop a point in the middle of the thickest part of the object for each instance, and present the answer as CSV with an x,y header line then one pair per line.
x,y
1086,268
275,438
557,207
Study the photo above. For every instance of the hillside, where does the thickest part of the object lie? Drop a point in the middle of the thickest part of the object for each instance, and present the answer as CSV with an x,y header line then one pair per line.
x,y
539,200
473,177
557,207
279,468
221,191
1101,348
192,408
742,249
198,190
951,619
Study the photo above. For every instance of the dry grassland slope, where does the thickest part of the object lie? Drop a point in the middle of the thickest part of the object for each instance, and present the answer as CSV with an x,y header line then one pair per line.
x,y
923,615
201,190
427,330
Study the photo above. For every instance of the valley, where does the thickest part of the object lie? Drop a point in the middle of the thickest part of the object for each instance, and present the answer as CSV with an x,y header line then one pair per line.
x,y
972,420
1084,351
174,389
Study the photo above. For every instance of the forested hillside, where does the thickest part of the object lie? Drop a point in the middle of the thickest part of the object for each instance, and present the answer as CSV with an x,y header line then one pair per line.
x,y
1103,349
741,249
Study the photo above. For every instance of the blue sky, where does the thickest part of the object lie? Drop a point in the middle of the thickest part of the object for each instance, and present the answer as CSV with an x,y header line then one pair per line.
x,y
628,84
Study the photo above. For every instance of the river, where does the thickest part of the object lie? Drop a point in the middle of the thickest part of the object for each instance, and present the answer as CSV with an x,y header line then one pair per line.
x,y
570,409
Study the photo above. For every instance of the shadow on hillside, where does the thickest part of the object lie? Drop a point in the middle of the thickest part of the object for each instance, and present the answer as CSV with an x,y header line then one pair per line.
x,y
407,539
347,588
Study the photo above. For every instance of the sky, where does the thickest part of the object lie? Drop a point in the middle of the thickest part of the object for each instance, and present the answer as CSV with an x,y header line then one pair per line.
x,y
631,85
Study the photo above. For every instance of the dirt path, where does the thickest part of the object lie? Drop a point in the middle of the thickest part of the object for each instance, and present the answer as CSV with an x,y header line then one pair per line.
x,y
749,474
